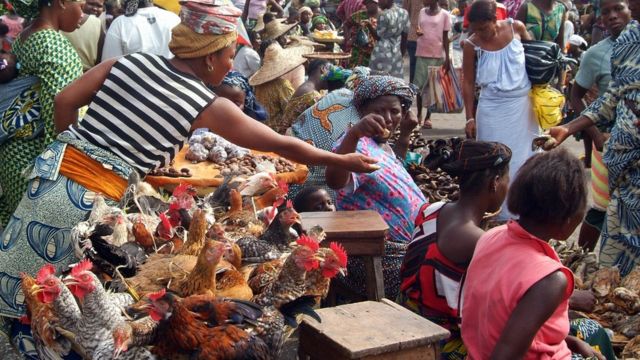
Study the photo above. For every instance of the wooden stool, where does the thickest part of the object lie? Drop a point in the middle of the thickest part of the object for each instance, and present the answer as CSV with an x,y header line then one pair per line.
x,y
362,233
369,330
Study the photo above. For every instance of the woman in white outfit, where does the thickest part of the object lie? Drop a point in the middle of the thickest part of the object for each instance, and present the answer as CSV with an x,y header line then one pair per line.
x,y
493,59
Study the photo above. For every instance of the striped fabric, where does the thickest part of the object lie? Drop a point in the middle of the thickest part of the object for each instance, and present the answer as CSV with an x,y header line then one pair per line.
x,y
599,181
144,111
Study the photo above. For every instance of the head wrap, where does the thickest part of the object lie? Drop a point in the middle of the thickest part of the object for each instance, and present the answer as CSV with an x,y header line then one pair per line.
x,y
470,156
251,106
319,19
204,30
207,19
305,9
131,6
312,3
336,73
374,86
28,9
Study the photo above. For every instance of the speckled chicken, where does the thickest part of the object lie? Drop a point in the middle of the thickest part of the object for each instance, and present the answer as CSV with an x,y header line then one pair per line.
x,y
290,283
100,315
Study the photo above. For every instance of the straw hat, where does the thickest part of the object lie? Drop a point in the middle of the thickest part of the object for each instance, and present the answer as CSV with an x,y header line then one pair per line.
x,y
276,28
278,61
298,40
260,24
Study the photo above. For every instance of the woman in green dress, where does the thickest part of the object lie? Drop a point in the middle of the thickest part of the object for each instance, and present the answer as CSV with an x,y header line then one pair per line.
x,y
48,56
361,39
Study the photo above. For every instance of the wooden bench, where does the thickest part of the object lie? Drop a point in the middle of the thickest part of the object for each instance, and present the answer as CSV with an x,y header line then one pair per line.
x,y
369,330
362,233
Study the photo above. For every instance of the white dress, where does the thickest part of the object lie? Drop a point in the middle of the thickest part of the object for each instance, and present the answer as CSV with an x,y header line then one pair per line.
x,y
504,111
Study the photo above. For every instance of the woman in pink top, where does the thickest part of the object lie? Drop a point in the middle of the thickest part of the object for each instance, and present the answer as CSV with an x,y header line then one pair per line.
x,y
516,293
434,24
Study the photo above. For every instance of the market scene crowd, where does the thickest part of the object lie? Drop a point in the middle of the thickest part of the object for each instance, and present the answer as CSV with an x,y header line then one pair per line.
x,y
160,159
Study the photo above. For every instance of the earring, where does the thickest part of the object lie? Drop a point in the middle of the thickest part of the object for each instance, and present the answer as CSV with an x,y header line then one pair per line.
x,y
209,68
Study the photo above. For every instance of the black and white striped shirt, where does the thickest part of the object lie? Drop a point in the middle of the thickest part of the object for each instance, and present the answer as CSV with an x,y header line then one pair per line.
x,y
144,111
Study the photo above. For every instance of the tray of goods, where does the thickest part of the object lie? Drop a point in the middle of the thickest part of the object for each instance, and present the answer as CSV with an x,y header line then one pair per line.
x,y
327,36
328,55
208,158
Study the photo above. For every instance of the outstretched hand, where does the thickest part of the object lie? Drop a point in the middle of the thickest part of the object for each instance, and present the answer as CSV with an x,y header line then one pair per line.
x,y
559,134
358,163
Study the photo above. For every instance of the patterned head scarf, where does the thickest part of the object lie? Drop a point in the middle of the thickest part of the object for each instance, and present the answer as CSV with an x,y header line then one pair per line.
x,y
251,106
131,6
336,73
204,29
312,3
305,9
28,9
319,19
357,74
374,86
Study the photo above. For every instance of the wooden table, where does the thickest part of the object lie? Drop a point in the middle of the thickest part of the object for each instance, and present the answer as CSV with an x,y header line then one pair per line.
x,y
362,233
369,330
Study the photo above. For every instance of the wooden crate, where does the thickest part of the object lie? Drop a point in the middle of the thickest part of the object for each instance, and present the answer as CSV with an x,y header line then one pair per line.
x,y
369,330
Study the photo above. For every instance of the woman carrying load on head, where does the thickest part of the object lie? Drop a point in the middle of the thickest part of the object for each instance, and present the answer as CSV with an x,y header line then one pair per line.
x,y
493,59
165,100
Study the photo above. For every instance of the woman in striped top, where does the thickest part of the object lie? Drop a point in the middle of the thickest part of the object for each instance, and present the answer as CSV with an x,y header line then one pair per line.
x,y
141,110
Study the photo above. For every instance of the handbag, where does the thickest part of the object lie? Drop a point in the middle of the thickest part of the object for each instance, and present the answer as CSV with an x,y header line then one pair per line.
x,y
543,61
547,103
444,92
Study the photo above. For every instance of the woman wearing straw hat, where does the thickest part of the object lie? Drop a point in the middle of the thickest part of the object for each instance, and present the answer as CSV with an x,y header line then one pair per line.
x,y
273,89
141,110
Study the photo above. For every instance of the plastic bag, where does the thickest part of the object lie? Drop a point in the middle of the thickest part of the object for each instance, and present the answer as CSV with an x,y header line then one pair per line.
x,y
444,92
547,103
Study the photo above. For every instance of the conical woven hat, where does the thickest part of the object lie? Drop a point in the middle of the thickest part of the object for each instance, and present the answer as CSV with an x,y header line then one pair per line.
x,y
278,61
276,28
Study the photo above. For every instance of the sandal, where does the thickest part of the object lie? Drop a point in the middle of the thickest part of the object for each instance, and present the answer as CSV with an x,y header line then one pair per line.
x,y
427,124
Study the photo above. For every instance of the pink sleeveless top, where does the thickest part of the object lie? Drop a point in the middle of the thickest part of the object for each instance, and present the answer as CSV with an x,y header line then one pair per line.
x,y
507,261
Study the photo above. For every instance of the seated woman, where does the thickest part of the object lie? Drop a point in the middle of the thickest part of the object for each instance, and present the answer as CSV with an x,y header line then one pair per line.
x,y
446,235
516,291
383,103
322,76
313,198
273,91
165,100
236,88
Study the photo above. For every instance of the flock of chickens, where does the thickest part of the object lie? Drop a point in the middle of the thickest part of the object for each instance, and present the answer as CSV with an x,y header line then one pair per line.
x,y
184,277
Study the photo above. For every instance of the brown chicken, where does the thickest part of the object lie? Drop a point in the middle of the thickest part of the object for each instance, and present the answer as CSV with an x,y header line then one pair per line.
x,y
290,283
142,235
49,343
197,234
279,232
131,334
181,330
238,219
202,279
232,284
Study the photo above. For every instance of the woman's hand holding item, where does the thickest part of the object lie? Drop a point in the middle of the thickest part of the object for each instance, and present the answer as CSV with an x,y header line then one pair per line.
x,y
371,125
470,128
578,346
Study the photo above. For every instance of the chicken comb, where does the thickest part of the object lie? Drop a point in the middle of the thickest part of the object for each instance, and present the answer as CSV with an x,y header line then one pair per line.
x,y
165,220
84,265
180,190
282,185
44,272
157,295
340,252
289,204
305,240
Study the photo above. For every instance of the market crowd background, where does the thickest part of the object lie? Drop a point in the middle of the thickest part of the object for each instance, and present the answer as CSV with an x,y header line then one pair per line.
x,y
332,74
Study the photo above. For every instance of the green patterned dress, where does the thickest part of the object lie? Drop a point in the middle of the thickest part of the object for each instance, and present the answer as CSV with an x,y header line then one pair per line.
x,y
51,57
